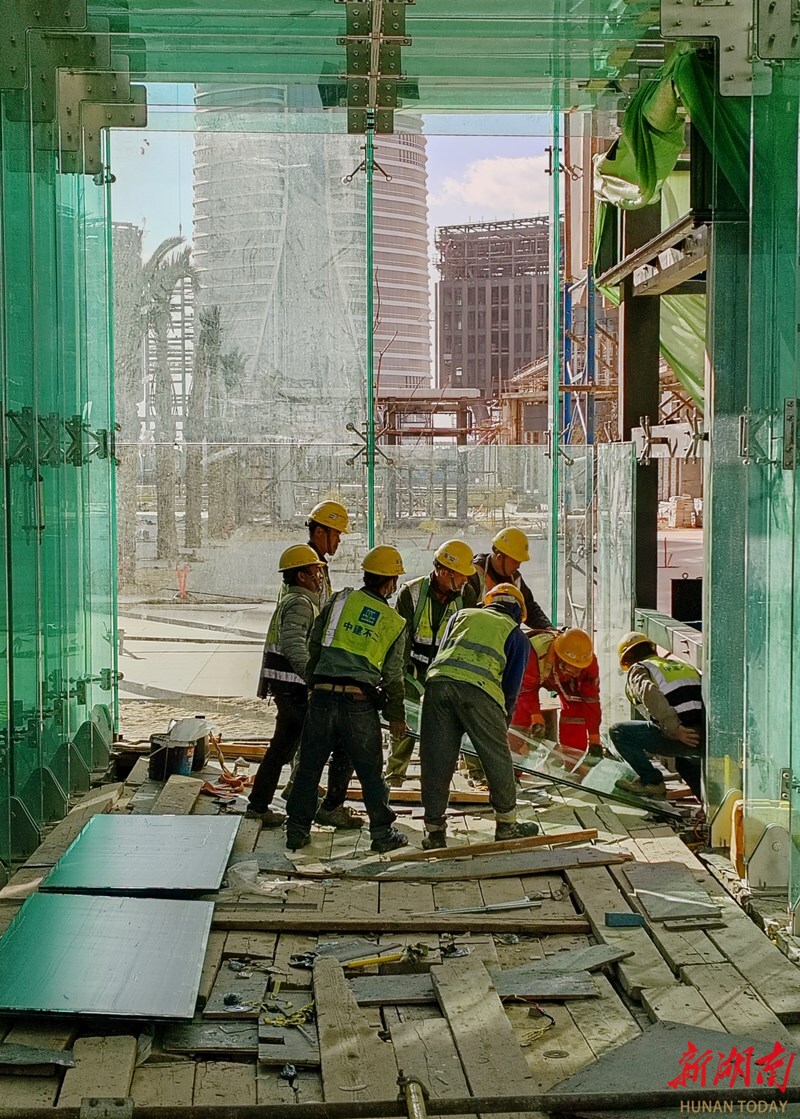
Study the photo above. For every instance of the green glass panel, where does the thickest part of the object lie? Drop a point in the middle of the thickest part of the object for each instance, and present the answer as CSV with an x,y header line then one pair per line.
x,y
770,510
613,611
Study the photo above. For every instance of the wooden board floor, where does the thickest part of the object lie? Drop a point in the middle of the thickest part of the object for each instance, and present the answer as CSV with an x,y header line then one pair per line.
x,y
725,978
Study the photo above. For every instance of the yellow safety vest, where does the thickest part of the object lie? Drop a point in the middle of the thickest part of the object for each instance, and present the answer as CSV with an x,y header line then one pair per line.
x,y
473,650
361,625
677,681
424,641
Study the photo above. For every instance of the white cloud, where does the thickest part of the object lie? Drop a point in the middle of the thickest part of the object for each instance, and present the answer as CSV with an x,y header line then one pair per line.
x,y
493,190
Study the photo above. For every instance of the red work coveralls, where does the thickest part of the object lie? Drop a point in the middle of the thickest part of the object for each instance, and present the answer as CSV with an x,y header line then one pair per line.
x,y
580,695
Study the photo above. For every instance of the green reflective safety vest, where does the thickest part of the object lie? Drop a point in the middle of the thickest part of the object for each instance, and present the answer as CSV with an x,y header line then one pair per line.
x,y
362,625
474,651
678,682
424,641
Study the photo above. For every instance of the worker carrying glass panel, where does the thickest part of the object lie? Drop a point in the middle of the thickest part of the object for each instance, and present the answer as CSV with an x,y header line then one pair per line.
x,y
668,693
355,669
427,604
471,688
563,663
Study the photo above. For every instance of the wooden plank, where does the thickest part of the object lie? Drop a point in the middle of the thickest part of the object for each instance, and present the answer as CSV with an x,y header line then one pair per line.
x,y
8,911
249,985
493,1061
58,840
680,1004
138,774
163,1085
413,796
42,1035
103,1067
282,1045
558,1051
222,1039
764,966
489,866
246,837
211,963
471,849
356,1065
426,1049
604,1021
253,946
256,919
735,1002
178,796
271,1088
224,1082
668,890
398,899
29,1091
460,895
290,945
598,895
351,899
522,982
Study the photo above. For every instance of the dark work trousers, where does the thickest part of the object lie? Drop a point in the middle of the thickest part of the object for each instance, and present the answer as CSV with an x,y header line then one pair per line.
x,y
635,741
451,709
291,709
338,719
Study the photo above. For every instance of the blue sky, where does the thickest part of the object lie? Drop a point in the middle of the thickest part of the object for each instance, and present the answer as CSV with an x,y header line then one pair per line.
x,y
470,177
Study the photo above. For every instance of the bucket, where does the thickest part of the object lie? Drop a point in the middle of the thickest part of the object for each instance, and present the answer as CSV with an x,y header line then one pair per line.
x,y
168,758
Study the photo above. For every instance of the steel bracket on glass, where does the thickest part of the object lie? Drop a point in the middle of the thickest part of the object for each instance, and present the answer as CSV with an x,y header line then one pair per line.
x,y
80,774
24,16
675,440
778,27
374,79
92,1108
789,433
363,449
25,835
768,866
55,801
47,52
730,22
87,159
751,427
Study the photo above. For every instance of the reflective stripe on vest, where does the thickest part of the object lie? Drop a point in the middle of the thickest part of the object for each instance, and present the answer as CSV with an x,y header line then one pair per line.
x,y
678,682
423,640
362,625
276,666
486,581
474,651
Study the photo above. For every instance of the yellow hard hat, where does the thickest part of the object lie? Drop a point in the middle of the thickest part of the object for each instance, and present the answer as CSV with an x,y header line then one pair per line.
x,y
512,542
332,514
456,555
631,639
574,647
299,555
384,560
506,592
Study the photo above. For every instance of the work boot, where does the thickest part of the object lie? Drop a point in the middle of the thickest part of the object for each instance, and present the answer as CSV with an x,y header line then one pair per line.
x,y
342,817
395,782
643,789
268,819
433,840
296,839
514,831
387,840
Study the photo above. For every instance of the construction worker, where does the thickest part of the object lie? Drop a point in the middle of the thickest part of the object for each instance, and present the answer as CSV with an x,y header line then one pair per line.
x,y
668,693
471,688
427,604
327,523
501,565
563,663
283,672
355,668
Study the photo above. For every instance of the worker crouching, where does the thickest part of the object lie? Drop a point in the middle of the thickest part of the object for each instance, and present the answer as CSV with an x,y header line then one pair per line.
x,y
355,667
669,694
563,663
471,689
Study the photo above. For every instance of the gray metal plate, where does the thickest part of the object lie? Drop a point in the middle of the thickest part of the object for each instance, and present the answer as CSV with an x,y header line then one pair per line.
x,y
121,957
145,855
